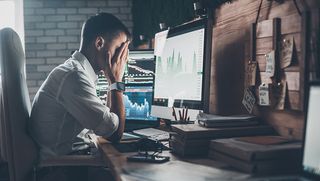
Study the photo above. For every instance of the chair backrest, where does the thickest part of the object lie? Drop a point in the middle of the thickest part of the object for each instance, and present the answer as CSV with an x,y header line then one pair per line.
x,y
3,151
19,149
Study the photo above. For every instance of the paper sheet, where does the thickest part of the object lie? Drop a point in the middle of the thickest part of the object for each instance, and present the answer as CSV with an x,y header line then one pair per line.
x,y
248,100
264,95
270,64
286,52
251,73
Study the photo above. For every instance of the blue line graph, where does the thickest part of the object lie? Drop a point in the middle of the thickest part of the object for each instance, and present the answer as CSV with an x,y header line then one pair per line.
x,y
137,102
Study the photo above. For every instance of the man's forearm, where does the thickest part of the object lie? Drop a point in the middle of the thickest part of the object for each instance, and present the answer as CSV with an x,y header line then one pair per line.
x,y
115,102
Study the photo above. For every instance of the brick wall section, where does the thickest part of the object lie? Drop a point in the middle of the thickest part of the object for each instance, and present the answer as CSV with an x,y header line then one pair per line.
x,y
52,31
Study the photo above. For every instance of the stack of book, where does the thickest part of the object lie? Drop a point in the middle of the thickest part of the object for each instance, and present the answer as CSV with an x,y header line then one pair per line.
x,y
211,121
193,139
259,154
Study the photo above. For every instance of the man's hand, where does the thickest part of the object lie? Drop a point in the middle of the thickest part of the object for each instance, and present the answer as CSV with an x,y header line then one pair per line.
x,y
116,65
114,72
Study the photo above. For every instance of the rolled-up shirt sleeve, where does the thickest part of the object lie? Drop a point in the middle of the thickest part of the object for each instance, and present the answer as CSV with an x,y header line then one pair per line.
x,y
79,98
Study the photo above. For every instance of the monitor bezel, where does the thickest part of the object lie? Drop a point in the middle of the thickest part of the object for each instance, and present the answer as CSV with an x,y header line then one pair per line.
x,y
306,105
188,27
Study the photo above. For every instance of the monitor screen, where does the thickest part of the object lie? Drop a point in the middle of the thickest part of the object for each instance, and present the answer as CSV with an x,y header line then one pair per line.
x,y
140,67
311,159
179,70
137,101
139,71
102,88
138,77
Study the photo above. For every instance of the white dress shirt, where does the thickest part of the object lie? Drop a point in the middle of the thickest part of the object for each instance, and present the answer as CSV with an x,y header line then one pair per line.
x,y
65,104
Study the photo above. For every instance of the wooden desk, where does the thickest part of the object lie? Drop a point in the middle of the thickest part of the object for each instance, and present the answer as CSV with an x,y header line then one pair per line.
x,y
200,169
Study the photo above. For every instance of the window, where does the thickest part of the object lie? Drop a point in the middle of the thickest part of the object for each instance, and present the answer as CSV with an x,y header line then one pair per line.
x,y
11,15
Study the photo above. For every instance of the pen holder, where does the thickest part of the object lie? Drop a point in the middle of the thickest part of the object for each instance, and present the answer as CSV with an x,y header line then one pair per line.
x,y
183,116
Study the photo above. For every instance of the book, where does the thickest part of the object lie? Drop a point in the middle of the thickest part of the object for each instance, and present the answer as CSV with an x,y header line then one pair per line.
x,y
258,167
209,120
214,117
214,124
191,142
265,140
246,151
195,131
183,150
195,140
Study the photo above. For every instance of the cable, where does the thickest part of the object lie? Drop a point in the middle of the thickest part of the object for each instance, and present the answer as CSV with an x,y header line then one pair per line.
x,y
258,14
297,7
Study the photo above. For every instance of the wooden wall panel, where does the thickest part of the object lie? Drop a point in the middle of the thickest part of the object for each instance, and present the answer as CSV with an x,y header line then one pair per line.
x,y
290,28
231,53
291,24
264,29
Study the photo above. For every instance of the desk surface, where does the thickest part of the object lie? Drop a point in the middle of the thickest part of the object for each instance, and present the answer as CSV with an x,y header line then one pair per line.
x,y
184,169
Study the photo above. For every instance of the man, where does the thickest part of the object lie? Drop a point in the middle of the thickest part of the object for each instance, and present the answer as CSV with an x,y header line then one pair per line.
x,y
66,103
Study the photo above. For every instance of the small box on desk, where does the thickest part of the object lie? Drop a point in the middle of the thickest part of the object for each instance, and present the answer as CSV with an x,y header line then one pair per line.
x,y
193,140
259,154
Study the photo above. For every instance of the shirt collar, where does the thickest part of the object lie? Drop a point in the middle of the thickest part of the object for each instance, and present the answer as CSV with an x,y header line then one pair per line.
x,y
86,66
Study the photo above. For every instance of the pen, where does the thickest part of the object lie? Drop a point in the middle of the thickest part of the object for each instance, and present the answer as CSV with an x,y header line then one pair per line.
x,y
174,113
180,115
184,115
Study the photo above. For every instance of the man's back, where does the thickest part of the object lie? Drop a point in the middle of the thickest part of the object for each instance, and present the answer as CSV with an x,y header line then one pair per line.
x,y
65,104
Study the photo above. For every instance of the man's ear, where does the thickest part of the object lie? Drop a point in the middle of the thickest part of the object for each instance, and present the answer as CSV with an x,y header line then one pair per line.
x,y
99,43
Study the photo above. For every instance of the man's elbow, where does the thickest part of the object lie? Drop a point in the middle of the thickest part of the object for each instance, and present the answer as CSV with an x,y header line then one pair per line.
x,y
115,137
109,131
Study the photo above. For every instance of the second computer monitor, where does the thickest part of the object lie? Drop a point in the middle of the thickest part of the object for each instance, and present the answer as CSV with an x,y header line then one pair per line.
x,y
137,97
140,68
137,102
179,71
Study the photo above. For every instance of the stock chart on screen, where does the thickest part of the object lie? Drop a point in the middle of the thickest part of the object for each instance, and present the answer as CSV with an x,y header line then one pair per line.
x,y
140,68
179,70
102,88
138,77
137,101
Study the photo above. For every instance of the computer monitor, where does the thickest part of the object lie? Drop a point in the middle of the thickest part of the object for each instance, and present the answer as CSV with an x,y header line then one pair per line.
x,y
139,71
137,101
180,74
311,159
140,67
138,77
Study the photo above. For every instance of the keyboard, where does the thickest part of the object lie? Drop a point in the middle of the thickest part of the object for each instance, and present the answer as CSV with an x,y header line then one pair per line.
x,y
128,136
153,133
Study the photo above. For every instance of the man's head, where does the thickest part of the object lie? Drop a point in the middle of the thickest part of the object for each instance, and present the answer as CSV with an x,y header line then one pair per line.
x,y
100,34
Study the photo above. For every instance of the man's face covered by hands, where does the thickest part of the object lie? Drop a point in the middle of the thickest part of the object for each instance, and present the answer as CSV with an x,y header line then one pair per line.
x,y
113,56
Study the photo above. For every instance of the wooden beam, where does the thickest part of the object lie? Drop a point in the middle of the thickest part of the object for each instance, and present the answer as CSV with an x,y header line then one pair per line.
x,y
253,42
305,51
276,47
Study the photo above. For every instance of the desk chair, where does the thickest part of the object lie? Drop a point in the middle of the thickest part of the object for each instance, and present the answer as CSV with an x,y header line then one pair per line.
x,y
17,147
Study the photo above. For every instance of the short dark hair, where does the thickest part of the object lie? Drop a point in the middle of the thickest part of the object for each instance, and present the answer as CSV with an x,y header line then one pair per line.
x,y
102,24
